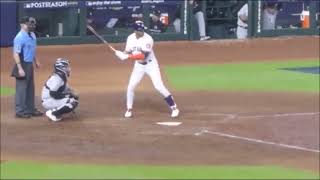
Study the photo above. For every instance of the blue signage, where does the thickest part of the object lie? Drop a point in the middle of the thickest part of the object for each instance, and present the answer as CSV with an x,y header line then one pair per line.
x,y
97,3
50,4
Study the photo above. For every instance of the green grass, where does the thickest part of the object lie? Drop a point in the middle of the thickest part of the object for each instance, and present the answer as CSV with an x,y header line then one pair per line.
x,y
28,170
266,76
5,91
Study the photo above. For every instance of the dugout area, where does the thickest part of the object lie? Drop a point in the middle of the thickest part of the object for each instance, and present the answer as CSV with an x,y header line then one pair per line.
x,y
97,134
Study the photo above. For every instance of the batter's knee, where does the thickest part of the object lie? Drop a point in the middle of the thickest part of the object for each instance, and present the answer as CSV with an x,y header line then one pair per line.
x,y
159,87
131,88
162,89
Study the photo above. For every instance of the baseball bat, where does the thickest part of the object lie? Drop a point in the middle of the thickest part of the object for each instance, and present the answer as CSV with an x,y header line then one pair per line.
x,y
100,37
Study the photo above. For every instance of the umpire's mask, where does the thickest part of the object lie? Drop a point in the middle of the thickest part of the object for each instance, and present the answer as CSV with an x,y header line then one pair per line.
x,y
30,22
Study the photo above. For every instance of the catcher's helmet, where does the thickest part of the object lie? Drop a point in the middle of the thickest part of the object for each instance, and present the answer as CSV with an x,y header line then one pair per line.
x,y
139,26
62,65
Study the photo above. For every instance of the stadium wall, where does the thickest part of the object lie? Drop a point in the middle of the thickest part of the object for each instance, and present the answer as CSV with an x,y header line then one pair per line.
x,y
64,22
8,13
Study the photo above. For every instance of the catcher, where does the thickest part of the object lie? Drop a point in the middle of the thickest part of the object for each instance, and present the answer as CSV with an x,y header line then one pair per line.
x,y
57,97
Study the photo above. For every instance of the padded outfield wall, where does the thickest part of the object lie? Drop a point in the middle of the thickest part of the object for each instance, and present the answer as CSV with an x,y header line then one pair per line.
x,y
8,13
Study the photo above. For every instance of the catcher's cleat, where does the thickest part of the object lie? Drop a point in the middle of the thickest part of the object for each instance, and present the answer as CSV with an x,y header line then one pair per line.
x,y
52,117
128,113
175,113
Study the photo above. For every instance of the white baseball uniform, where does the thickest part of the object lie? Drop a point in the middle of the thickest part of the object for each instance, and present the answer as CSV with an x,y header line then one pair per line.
x,y
242,29
149,66
56,84
269,18
201,23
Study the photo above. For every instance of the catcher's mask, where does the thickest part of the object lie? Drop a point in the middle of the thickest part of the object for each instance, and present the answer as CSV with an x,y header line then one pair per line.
x,y
62,65
30,22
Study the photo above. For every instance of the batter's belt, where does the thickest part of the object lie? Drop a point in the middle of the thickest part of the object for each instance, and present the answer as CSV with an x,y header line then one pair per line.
x,y
244,27
145,62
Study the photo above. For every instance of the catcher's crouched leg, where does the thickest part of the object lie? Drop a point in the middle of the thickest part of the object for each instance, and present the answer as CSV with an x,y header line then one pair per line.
x,y
70,106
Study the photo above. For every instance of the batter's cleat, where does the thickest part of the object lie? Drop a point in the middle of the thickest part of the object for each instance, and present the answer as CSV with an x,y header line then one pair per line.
x,y
175,113
204,38
52,117
128,113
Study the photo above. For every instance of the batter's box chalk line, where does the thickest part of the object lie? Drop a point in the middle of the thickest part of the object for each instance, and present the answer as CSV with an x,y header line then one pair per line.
x,y
220,117
204,131
235,116
225,117
282,115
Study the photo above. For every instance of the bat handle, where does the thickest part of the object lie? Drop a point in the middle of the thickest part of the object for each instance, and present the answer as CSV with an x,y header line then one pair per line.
x,y
105,42
114,50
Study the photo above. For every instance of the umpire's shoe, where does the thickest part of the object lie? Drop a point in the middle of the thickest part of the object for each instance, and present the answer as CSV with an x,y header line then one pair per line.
x,y
23,116
36,113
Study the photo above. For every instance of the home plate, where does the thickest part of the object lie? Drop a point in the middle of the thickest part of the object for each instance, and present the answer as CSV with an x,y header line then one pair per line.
x,y
169,123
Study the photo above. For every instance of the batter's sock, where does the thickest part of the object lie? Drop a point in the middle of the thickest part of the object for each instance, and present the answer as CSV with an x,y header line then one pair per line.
x,y
170,101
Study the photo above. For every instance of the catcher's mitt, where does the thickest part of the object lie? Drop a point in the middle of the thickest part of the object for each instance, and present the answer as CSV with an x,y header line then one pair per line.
x,y
73,95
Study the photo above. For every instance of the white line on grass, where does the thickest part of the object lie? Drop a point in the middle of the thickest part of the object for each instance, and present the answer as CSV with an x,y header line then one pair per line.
x,y
256,141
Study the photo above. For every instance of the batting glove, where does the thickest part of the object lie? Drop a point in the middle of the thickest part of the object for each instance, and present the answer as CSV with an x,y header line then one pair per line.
x,y
121,55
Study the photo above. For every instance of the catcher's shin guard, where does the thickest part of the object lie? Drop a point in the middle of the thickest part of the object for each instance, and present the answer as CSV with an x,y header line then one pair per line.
x,y
68,107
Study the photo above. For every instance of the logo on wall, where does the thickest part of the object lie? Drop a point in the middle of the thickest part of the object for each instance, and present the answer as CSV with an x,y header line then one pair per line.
x,y
102,3
152,1
50,4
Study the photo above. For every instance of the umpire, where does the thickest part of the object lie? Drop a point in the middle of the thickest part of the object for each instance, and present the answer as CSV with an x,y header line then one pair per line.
x,y
24,50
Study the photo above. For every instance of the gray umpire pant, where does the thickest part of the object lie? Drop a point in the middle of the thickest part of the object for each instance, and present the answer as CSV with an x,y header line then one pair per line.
x,y
25,91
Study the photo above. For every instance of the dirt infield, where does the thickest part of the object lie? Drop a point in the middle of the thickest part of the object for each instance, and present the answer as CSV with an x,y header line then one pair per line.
x,y
218,127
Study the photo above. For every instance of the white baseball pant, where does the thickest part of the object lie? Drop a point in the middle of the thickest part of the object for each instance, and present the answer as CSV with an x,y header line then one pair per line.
x,y
242,33
201,23
153,71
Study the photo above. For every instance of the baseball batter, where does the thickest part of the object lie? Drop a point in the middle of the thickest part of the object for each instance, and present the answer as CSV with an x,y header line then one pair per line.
x,y
57,97
139,47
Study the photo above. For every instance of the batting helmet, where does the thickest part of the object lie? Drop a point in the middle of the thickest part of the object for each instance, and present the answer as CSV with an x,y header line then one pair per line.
x,y
139,26
62,65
